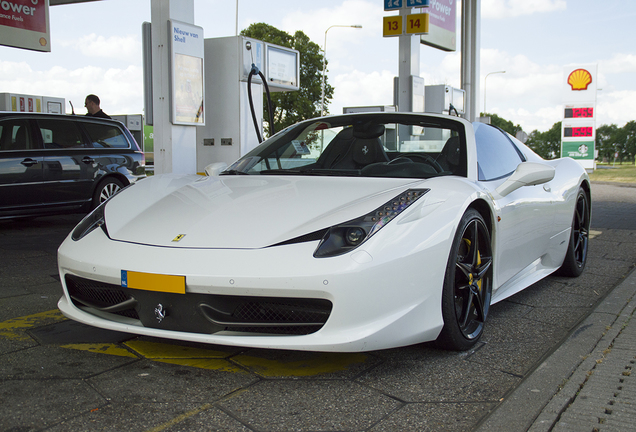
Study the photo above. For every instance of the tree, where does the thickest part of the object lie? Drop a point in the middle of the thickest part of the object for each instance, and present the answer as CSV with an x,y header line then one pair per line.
x,y
546,144
504,124
293,106
606,137
629,150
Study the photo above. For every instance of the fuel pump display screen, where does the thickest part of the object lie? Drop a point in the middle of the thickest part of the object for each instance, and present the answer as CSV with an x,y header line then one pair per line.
x,y
282,67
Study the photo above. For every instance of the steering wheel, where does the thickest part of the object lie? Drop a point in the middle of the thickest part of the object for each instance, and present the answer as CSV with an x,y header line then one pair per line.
x,y
423,158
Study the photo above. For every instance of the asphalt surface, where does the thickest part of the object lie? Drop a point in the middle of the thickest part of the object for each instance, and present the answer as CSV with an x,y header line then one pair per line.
x,y
552,358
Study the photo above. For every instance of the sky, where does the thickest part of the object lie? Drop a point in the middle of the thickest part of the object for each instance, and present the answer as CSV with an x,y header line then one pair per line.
x,y
96,48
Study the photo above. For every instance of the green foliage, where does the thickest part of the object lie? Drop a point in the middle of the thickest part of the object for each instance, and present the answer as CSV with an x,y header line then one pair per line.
x,y
504,124
612,139
546,144
291,107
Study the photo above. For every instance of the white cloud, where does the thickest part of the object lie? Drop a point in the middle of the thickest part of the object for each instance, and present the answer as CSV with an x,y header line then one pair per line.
x,y
616,107
314,23
498,9
118,89
619,63
123,48
359,88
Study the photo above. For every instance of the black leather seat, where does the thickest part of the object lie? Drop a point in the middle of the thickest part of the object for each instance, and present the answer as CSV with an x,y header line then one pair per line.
x,y
355,147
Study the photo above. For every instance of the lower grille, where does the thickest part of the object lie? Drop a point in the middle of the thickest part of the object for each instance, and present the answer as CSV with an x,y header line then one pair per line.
x,y
275,316
101,296
202,313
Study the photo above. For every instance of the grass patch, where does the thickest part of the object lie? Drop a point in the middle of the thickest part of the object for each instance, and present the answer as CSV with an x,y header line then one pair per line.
x,y
625,173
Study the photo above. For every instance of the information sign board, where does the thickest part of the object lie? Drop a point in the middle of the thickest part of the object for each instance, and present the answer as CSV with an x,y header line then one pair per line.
x,y
442,25
186,73
417,3
25,24
393,4
393,26
417,24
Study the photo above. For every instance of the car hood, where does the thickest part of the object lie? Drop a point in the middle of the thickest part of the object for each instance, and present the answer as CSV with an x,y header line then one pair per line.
x,y
240,212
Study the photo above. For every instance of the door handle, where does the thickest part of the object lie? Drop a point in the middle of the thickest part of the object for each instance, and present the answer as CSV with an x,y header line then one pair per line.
x,y
28,162
88,160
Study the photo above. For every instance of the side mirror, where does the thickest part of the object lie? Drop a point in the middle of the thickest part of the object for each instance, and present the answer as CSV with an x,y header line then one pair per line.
x,y
526,174
214,169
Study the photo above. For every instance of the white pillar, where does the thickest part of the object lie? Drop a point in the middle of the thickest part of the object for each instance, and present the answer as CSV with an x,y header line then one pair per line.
x,y
409,65
175,145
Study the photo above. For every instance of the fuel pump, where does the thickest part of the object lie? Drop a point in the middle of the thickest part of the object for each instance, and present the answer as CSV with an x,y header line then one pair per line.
x,y
238,71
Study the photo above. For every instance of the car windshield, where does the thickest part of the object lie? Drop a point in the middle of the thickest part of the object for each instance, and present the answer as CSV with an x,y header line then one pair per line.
x,y
366,145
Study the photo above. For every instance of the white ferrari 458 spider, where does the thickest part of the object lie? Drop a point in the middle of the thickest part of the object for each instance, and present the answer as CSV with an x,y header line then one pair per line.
x,y
344,233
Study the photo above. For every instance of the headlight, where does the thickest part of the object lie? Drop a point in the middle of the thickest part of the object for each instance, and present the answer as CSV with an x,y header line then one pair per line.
x,y
92,221
347,236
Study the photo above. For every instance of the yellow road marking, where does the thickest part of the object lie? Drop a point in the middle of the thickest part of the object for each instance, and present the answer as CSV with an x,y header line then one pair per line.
x,y
15,327
101,348
314,364
209,364
180,418
156,350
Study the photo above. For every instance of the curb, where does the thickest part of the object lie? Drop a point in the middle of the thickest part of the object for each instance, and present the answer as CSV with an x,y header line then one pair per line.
x,y
537,403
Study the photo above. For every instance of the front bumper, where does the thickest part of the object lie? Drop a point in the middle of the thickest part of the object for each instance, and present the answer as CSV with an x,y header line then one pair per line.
x,y
370,302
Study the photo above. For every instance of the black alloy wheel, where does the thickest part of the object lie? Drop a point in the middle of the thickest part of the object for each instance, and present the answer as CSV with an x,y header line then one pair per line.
x,y
576,256
467,285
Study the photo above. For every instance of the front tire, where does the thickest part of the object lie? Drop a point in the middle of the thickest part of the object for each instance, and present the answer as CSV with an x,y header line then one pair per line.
x,y
576,256
467,284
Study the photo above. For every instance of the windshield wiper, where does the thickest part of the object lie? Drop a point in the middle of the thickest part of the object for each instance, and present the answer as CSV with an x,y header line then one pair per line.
x,y
234,172
313,172
281,171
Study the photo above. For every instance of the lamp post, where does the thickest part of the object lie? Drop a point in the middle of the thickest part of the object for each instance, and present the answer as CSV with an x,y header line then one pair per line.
x,y
324,58
485,87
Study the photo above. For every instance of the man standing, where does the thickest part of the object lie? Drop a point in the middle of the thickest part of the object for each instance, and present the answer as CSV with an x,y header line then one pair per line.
x,y
92,106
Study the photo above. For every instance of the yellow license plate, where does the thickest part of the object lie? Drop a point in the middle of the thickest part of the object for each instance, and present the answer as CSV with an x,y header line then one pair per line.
x,y
153,282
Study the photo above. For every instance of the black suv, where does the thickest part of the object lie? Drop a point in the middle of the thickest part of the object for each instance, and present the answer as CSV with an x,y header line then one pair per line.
x,y
53,163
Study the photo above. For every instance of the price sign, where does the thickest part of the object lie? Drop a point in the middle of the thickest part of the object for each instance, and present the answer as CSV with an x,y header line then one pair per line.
x,y
417,24
582,131
393,4
392,26
417,3
580,112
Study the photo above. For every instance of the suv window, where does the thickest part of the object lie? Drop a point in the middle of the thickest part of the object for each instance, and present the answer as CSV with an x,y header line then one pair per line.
x,y
58,134
15,135
497,157
106,136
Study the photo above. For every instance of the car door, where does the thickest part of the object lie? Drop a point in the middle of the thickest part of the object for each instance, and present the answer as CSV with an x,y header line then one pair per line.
x,y
527,214
68,167
109,147
21,173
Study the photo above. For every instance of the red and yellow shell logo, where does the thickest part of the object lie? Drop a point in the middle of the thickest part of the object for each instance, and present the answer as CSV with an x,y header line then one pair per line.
x,y
579,79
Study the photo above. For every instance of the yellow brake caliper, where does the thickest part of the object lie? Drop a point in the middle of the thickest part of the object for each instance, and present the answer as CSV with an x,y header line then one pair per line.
x,y
470,277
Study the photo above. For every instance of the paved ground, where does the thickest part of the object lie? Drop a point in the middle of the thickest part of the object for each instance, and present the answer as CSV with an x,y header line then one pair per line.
x,y
57,375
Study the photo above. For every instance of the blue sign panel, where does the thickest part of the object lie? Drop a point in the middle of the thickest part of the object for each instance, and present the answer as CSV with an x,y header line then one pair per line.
x,y
416,3
393,4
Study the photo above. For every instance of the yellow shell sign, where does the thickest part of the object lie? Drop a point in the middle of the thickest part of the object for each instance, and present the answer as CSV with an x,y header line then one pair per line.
x,y
579,79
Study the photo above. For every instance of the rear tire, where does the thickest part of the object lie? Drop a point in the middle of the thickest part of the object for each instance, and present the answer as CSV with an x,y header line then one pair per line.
x,y
467,284
106,189
576,256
